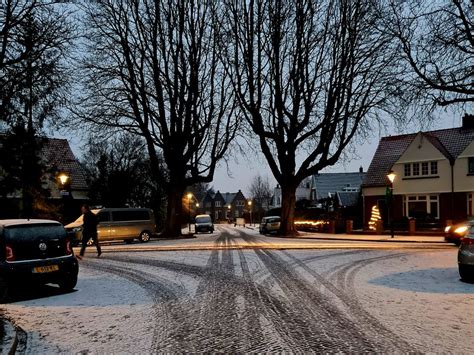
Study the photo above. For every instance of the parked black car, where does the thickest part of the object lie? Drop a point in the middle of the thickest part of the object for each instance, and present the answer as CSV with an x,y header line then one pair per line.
x,y
35,251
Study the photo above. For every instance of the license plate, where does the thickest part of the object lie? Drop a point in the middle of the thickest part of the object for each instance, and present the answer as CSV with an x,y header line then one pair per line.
x,y
44,269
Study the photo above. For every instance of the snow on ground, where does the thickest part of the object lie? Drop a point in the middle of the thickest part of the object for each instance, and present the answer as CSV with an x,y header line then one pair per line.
x,y
417,295
105,314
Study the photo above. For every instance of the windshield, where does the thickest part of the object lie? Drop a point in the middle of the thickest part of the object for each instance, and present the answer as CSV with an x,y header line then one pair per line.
x,y
204,219
34,231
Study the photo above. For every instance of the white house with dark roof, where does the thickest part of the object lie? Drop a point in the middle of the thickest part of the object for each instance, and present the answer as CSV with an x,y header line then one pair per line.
x,y
434,175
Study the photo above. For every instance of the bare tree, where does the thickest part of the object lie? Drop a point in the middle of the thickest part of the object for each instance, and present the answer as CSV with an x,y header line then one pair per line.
x,y
308,76
437,43
260,192
154,71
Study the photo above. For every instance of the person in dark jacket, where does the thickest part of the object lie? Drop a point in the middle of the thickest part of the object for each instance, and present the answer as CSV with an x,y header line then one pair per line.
x,y
89,230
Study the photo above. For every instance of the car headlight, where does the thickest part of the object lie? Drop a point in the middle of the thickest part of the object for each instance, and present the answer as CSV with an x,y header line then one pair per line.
x,y
77,229
447,229
461,230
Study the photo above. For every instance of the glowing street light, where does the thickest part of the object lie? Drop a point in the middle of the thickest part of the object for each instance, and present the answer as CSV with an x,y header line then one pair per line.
x,y
189,196
63,179
391,177
250,209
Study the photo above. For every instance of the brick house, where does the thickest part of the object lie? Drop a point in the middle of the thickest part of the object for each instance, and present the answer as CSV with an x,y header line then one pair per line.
x,y
217,205
434,175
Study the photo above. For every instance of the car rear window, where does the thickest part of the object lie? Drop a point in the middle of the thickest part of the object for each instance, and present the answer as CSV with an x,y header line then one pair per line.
x,y
273,220
203,219
121,216
34,231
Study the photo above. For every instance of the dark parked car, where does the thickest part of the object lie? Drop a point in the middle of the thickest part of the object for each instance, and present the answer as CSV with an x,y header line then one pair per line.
x,y
466,255
203,223
35,251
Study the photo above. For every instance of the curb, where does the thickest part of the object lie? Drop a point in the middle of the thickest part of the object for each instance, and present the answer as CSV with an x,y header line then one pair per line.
x,y
369,240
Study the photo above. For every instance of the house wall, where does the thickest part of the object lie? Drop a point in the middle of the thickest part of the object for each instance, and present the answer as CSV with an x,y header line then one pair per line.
x,y
421,150
463,181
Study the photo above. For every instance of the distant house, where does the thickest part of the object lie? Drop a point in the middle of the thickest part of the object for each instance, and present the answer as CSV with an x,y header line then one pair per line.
x,y
434,175
224,206
341,189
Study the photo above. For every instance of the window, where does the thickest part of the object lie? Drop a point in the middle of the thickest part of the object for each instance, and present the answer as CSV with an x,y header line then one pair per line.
x,y
218,203
407,169
470,169
424,168
103,216
427,168
421,206
216,215
120,216
416,169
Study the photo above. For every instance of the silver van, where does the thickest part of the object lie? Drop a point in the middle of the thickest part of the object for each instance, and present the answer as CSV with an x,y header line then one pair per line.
x,y
124,224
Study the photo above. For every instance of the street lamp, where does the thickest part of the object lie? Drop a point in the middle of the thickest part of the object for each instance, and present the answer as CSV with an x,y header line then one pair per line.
x,y
391,177
250,208
228,213
189,196
63,179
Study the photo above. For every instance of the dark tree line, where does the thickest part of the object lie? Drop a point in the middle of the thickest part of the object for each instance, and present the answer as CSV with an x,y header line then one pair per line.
x,y
34,40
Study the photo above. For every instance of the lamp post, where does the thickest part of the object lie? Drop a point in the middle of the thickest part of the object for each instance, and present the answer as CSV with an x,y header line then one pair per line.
x,y
391,177
189,196
228,213
250,209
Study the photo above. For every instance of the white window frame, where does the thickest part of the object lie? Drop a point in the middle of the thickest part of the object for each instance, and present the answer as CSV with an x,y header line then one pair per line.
x,y
420,198
218,204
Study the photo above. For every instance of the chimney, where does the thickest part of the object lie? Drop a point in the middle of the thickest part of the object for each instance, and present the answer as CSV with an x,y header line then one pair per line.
x,y
361,169
468,121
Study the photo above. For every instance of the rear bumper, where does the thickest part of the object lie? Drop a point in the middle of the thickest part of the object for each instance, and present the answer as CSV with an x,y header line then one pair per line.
x,y
22,271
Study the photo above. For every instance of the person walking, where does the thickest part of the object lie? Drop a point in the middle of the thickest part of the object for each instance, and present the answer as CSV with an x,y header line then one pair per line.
x,y
89,230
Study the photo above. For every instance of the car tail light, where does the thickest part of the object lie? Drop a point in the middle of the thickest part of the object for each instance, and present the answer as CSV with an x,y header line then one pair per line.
x,y
9,256
68,248
467,241
446,230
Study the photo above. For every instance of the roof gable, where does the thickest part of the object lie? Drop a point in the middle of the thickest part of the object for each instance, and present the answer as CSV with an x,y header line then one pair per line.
x,y
450,142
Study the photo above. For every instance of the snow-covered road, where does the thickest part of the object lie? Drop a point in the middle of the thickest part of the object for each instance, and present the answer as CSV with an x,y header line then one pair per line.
x,y
255,300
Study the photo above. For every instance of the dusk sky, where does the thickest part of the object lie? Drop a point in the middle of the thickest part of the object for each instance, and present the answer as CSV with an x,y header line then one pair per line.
x,y
243,169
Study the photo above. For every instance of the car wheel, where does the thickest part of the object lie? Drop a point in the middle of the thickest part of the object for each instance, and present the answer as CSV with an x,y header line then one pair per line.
x,y
144,236
68,283
466,273
4,288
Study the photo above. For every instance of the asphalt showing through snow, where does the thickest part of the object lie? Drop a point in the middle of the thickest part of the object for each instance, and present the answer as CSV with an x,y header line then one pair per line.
x,y
246,293
231,312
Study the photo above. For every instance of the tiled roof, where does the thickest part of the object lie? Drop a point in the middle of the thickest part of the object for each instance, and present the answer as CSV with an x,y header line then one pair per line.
x,y
450,142
330,183
348,199
57,154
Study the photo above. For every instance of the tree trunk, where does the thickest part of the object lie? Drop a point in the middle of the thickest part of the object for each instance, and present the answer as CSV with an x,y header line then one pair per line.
x,y
174,212
288,201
